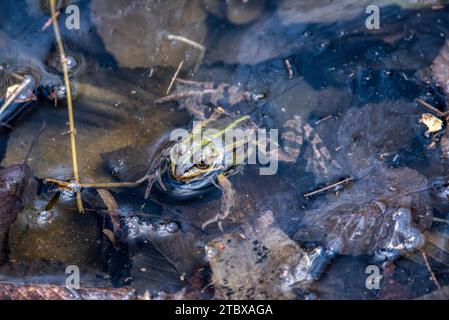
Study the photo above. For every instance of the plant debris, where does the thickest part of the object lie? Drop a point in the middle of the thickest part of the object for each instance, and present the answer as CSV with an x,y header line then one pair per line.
x,y
432,123
385,210
270,265
13,291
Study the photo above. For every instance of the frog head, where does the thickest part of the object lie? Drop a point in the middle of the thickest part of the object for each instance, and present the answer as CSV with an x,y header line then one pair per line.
x,y
205,153
193,160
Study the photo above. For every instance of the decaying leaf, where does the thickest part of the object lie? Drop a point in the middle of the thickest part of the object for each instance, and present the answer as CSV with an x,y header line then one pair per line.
x,y
142,27
111,237
386,210
12,291
444,144
365,138
113,209
440,68
432,123
440,294
17,188
259,263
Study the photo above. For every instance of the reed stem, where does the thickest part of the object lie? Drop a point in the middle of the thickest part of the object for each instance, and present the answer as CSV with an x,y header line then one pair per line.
x,y
63,59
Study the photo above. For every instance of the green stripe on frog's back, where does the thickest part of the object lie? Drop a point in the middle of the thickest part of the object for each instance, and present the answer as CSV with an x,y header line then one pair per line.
x,y
220,133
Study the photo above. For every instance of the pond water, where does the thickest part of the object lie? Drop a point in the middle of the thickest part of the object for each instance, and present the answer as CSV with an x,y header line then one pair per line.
x,y
354,89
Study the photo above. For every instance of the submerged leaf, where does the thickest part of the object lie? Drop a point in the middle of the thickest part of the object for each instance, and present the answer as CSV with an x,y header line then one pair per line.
x,y
440,294
440,68
387,209
17,188
112,206
10,291
142,40
259,263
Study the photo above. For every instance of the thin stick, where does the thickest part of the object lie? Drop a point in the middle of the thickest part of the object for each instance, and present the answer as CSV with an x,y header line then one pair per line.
x,y
432,275
440,220
307,195
69,102
174,77
430,107
49,22
15,94
106,185
288,65
193,44
323,119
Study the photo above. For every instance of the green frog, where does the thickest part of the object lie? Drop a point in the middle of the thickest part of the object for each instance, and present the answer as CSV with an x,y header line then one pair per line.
x,y
222,140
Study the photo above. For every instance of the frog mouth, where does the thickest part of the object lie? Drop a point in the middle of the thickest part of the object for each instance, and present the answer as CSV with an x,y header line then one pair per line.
x,y
196,172
184,189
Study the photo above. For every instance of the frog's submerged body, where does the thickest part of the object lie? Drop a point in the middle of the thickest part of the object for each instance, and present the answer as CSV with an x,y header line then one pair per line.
x,y
222,139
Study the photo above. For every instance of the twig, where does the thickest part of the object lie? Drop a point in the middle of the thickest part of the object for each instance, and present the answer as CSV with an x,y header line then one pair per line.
x,y
430,107
432,275
49,22
323,119
15,94
288,65
106,185
440,220
175,76
191,43
309,194
69,102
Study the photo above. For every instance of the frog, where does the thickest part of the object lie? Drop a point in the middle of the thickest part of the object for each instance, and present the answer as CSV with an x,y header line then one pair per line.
x,y
186,167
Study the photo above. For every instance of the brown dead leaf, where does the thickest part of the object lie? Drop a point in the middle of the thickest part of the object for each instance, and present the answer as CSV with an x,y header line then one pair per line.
x,y
264,264
9,291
